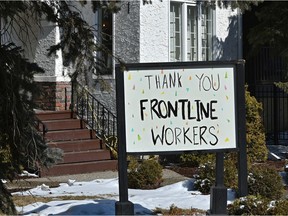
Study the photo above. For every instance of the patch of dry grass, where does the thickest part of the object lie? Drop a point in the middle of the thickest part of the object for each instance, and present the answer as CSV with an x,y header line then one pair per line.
x,y
174,210
26,200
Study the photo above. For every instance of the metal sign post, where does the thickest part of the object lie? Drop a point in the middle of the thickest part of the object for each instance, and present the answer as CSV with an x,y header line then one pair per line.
x,y
123,206
218,196
242,154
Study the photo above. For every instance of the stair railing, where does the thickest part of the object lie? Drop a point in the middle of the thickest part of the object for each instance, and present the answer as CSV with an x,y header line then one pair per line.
x,y
100,119
44,127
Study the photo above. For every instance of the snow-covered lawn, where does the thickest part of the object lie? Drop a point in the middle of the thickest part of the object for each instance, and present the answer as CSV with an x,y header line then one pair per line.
x,y
180,194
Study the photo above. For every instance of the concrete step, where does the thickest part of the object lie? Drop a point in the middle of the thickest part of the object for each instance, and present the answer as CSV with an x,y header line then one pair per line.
x,y
77,145
77,134
79,168
53,115
63,124
86,156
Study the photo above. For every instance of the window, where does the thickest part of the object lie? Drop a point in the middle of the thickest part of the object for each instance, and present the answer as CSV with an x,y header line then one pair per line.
x,y
190,32
105,31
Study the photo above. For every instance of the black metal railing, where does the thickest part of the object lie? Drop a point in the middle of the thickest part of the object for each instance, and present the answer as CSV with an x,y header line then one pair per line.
x,y
41,126
275,112
93,112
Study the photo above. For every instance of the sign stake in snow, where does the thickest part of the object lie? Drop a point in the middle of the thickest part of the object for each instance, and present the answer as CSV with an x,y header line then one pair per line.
x,y
177,107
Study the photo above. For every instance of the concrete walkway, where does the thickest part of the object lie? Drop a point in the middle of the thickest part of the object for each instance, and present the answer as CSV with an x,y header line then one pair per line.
x,y
169,177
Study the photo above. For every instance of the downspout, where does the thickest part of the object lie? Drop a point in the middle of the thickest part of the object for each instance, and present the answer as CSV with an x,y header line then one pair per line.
x,y
240,34
0,31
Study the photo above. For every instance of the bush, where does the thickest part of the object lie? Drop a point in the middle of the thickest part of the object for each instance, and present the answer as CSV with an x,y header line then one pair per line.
x,y
257,205
203,185
230,170
169,159
255,133
250,205
205,178
195,159
265,181
144,175
279,207
206,173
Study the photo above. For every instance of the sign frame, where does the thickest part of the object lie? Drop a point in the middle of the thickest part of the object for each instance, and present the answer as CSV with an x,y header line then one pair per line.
x,y
237,74
218,202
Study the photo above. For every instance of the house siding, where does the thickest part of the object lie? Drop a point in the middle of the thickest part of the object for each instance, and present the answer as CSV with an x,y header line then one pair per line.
x,y
228,35
154,32
127,32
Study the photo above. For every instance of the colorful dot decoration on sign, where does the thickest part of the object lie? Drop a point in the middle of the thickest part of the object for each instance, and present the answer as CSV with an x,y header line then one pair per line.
x,y
227,139
129,76
139,137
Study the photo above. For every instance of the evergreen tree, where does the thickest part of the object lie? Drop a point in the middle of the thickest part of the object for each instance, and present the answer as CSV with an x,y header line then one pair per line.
x,y
233,4
21,146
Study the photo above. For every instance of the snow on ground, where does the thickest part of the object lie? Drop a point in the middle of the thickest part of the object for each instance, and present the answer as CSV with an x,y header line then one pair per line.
x,y
180,194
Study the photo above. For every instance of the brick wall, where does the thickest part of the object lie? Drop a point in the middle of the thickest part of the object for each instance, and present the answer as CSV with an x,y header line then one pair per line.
x,y
53,95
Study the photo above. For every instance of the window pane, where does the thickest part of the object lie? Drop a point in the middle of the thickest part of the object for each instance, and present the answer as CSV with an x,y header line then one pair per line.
x,y
104,58
191,33
108,39
175,32
206,37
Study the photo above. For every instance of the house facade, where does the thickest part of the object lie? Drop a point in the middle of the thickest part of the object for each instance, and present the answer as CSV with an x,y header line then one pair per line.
x,y
161,31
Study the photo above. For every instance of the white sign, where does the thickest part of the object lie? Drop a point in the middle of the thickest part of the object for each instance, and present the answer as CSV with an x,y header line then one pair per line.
x,y
180,109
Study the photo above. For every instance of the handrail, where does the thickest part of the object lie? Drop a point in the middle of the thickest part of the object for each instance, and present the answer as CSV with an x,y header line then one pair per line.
x,y
44,126
100,119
